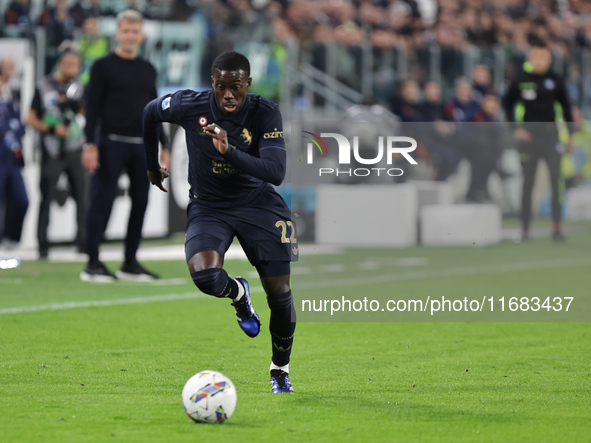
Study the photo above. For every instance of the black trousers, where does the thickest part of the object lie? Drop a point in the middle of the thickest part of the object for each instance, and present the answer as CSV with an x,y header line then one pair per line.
x,y
544,145
483,154
51,169
115,158
13,199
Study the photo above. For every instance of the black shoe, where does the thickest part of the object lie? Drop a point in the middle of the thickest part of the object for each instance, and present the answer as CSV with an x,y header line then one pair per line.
x,y
135,272
43,253
558,236
478,197
97,272
280,383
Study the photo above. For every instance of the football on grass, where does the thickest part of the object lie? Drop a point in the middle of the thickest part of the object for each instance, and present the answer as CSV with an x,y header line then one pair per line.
x,y
209,397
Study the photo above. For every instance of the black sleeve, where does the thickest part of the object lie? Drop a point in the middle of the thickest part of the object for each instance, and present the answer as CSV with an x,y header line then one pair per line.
x,y
37,105
511,99
94,100
270,167
562,98
163,137
163,109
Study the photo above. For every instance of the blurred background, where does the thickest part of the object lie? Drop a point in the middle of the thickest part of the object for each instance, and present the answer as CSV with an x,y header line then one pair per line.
x,y
385,63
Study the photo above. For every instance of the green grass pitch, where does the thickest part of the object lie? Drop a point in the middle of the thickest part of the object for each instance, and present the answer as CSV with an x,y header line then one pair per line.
x,y
112,370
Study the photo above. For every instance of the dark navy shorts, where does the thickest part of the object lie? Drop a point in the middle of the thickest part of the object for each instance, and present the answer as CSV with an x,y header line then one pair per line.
x,y
263,228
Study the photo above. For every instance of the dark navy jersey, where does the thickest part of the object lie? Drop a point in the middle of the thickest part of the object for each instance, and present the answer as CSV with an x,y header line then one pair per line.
x,y
256,154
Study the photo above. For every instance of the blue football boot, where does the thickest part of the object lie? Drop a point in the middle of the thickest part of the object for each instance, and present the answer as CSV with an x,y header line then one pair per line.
x,y
247,318
280,383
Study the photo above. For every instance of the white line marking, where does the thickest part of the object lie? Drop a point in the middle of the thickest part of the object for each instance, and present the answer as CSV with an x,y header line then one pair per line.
x,y
336,267
507,267
11,281
94,303
412,261
161,282
369,265
297,270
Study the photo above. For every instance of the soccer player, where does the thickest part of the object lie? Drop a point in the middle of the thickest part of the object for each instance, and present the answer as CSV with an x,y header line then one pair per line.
x,y
120,85
236,152
533,98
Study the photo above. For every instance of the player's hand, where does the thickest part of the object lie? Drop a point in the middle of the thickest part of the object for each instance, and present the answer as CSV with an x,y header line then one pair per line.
x,y
157,177
90,157
522,135
220,139
62,131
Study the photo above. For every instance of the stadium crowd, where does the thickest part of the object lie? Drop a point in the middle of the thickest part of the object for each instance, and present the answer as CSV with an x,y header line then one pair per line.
x,y
409,26
561,24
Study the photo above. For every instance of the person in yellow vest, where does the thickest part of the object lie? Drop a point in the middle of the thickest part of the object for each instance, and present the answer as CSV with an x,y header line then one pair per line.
x,y
92,46
576,167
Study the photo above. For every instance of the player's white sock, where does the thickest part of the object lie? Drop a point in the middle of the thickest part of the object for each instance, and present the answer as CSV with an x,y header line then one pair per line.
x,y
281,368
241,290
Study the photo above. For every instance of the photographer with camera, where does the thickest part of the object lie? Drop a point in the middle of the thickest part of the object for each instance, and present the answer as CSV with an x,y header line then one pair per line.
x,y
57,113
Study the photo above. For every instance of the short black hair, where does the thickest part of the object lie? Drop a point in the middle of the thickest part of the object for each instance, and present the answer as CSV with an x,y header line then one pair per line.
x,y
536,42
67,47
231,61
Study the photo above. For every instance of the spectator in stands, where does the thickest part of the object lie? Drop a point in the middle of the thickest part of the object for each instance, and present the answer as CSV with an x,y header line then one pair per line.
x,y
59,27
19,13
438,134
482,84
462,107
461,110
432,107
77,13
406,106
489,144
139,6
96,9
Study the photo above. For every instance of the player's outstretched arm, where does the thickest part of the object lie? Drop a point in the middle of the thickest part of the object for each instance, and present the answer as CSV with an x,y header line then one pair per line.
x,y
269,166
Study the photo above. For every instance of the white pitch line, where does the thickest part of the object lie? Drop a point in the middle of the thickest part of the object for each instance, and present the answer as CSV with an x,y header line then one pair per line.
x,y
11,281
369,265
300,270
336,267
507,267
159,282
95,303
